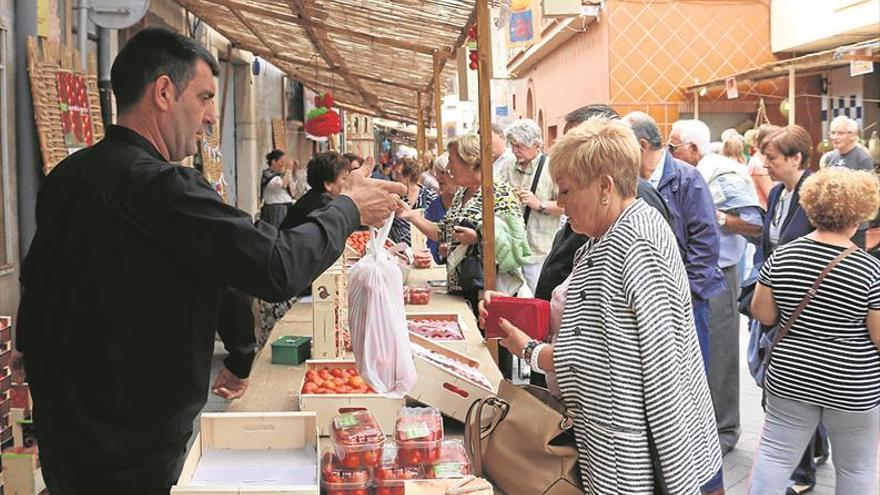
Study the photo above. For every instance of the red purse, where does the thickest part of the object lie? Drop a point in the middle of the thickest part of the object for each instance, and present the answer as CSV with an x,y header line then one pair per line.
x,y
532,316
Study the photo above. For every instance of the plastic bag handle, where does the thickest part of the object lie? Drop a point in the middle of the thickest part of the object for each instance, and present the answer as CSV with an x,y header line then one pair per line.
x,y
378,237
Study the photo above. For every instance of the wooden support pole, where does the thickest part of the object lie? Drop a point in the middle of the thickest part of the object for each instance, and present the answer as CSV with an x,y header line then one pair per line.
x,y
791,84
438,104
421,140
484,63
696,105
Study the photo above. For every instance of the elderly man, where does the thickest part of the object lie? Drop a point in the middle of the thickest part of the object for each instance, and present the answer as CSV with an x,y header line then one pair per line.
x,y
739,215
122,284
530,177
501,156
847,153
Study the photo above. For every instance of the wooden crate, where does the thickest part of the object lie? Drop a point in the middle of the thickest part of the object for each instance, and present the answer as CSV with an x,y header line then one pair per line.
x,y
441,388
248,432
328,405
329,312
456,345
24,476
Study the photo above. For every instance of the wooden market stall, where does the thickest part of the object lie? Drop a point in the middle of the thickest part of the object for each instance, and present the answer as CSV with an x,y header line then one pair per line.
x,y
386,59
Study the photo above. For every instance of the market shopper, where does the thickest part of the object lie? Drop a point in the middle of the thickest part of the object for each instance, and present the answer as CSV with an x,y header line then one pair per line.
x,y
417,197
760,175
848,154
626,356
437,209
739,218
122,282
326,174
275,188
837,334
529,176
460,227
786,153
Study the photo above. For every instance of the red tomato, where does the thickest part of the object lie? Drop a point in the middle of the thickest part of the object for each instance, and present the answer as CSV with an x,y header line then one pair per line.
x,y
384,490
433,455
337,372
399,490
343,389
372,458
352,460
338,382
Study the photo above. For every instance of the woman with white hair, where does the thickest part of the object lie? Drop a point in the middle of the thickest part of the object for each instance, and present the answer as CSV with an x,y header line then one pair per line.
x,y
437,209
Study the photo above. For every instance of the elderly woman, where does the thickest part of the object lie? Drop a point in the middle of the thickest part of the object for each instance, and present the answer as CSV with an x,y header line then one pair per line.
x,y
461,226
760,175
837,335
626,357
326,176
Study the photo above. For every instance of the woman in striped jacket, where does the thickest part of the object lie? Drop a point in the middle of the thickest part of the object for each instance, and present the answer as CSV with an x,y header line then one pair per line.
x,y
626,356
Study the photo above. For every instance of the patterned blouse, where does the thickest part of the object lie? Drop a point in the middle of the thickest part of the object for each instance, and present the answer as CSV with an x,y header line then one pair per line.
x,y
472,211
400,228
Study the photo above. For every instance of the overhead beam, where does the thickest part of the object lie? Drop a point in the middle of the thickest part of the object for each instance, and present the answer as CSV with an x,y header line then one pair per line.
x,y
303,9
294,19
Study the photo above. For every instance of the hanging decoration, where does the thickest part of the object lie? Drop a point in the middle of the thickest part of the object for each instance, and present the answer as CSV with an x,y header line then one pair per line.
x,y
784,107
323,121
761,114
472,47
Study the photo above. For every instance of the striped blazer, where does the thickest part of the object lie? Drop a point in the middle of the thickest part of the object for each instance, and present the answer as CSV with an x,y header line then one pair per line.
x,y
627,358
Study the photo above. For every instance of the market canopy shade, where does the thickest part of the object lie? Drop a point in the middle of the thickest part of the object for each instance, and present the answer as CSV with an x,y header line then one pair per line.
x,y
803,65
372,55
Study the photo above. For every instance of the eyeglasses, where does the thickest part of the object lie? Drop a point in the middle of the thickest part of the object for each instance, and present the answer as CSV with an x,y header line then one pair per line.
x,y
672,147
780,208
840,133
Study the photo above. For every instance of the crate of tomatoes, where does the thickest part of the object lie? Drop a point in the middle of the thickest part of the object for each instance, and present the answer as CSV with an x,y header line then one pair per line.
x,y
333,387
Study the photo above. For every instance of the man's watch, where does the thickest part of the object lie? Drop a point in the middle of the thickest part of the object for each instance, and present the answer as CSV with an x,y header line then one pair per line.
x,y
722,218
542,207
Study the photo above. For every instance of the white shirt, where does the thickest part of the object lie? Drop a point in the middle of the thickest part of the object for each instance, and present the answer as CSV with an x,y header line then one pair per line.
x,y
275,192
658,171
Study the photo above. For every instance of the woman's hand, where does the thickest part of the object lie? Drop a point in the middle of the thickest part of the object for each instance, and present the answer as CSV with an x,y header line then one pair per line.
x,y
465,235
516,339
404,211
484,304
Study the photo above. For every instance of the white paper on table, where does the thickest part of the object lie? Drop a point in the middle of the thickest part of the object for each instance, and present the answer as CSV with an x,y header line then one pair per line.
x,y
256,467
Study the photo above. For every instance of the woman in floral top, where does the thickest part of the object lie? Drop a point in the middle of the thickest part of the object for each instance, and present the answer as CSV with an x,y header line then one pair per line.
x,y
466,207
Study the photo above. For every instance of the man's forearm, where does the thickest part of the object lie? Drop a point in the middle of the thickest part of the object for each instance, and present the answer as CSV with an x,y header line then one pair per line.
x,y
734,224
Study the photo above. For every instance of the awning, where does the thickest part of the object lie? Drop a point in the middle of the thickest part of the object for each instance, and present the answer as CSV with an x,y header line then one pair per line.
x,y
372,55
803,65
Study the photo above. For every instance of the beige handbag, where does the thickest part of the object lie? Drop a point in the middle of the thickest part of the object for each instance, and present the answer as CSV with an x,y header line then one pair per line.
x,y
521,441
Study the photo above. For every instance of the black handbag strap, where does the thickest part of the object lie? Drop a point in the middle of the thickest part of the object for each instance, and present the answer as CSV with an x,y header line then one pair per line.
x,y
534,187
804,302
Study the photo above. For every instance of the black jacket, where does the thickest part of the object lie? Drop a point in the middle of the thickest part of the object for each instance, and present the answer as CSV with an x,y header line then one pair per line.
x,y
120,296
560,260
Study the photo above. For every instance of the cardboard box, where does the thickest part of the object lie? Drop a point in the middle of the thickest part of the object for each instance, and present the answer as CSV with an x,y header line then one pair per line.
x,y
329,405
455,345
291,350
442,388
250,435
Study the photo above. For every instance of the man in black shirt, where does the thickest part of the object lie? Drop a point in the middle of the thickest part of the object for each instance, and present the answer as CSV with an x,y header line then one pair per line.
x,y
122,284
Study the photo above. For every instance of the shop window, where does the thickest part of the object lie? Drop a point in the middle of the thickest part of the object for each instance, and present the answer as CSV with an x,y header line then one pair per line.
x,y
5,193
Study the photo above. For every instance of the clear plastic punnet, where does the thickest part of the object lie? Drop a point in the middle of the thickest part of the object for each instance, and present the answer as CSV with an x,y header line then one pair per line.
x,y
418,434
358,439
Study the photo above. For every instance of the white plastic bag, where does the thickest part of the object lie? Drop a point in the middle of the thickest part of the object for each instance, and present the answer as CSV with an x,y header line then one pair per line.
x,y
377,319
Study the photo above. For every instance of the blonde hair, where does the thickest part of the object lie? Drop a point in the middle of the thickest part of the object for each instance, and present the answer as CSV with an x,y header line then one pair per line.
x,y
467,148
836,198
598,147
441,164
733,149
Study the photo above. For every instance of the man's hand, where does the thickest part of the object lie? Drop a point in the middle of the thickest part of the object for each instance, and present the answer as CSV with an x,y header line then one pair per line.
x,y
375,199
229,386
528,199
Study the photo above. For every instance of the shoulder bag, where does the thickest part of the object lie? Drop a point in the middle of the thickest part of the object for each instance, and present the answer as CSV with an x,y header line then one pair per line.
x,y
522,441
